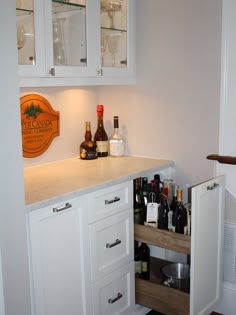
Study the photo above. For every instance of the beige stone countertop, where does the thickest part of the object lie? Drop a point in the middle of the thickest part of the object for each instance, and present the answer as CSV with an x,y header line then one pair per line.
x,y
54,182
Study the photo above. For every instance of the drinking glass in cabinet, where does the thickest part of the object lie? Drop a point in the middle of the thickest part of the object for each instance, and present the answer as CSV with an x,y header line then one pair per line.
x,y
25,32
111,7
113,33
104,40
59,53
69,32
113,45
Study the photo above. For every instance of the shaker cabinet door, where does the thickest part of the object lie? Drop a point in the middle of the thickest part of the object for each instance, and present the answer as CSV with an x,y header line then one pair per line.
x,y
206,246
57,261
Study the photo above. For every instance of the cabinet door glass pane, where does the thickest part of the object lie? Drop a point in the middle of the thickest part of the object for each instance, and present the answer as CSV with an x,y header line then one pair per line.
x,y
69,32
25,32
114,33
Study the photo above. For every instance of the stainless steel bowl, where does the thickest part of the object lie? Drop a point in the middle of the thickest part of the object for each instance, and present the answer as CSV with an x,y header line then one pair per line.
x,y
177,276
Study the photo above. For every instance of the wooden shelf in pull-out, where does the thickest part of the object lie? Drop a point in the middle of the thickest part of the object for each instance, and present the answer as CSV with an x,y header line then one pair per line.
x,y
153,294
165,239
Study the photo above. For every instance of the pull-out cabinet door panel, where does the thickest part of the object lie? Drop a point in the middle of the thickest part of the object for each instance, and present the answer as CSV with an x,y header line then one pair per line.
x,y
206,246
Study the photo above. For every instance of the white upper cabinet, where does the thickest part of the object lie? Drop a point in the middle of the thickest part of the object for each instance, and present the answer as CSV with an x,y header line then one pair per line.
x,y
75,42
58,259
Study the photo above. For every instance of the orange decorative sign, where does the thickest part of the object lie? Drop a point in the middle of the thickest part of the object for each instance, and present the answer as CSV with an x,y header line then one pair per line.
x,y
39,124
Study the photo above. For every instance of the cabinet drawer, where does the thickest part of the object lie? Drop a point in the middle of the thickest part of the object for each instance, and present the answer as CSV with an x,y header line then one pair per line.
x,y
115,293
111,243
108,201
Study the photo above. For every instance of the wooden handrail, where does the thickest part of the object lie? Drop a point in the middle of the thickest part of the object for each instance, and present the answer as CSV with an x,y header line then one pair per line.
x,y
222,158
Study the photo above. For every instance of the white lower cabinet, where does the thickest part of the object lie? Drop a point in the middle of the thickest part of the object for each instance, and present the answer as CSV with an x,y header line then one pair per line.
x,y
56,245
82,264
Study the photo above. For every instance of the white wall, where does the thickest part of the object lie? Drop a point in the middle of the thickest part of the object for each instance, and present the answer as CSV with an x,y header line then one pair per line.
x,y
13,243
228,108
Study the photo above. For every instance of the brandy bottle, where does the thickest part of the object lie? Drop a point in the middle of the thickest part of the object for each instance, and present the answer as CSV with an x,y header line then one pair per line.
x,y
88,147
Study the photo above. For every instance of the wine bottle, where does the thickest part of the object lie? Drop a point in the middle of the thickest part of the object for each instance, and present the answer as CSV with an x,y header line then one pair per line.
x,y
145,258
116,141
157,181
137,259
174,199
88,147
180,214
173,205
145,190
139,206
100,136
163,210
155,190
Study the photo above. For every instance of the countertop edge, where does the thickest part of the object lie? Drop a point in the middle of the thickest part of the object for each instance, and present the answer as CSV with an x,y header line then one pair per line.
x,y
83,191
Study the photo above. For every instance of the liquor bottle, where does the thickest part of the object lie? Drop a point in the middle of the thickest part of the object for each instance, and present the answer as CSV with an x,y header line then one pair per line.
x,y
174,199
88,147
155,190
116,141
145,258
180,214
137,259
163,210
145,190
139,206
100,136
157,181
173,205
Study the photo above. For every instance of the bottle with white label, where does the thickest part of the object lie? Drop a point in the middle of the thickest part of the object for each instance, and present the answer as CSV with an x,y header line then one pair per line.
x,y
116,141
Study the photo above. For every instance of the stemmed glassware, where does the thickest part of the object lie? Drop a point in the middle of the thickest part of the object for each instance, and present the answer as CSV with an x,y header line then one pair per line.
x,y
104,40
20,35
58,42
111,6
113,43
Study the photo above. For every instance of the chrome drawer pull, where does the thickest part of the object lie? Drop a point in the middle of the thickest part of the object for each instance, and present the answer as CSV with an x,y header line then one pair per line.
x,y
117,242
119,296
212,187
107,202
67,206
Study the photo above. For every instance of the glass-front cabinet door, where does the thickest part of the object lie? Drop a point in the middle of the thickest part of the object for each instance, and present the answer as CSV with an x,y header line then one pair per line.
x,y
113,33
67,38
30,56
117,40
25,32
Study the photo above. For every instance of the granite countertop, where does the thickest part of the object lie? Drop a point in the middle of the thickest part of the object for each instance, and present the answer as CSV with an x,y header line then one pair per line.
x,y
57,181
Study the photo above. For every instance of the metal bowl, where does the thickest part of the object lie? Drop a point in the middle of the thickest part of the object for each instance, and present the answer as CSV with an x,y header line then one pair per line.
x,y
177,276
176,271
